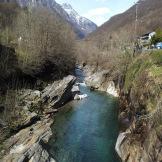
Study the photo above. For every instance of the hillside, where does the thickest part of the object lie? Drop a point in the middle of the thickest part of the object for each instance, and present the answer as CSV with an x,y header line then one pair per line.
x,y
81,25
149,15
107,46
23,43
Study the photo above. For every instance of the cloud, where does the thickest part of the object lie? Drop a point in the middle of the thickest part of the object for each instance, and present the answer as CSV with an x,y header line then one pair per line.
x,y
98,15
99,20
97,11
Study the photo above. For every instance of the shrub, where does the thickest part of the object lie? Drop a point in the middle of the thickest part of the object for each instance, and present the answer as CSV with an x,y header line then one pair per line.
x,y
44,38
44,43
158,37
137,68
8,14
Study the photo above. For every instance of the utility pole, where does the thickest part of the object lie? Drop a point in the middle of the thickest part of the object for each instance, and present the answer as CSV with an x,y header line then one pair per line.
x,y
136,18
136,47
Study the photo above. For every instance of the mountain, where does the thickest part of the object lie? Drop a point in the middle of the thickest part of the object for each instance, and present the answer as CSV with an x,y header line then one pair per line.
x,y
149,19
82,26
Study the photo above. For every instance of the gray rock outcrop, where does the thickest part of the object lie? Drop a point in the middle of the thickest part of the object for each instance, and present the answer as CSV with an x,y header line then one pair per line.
x,y
28,144
98,80
59,93
34,126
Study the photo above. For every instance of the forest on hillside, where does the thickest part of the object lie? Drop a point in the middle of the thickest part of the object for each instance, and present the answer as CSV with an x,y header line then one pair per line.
x,y
37,38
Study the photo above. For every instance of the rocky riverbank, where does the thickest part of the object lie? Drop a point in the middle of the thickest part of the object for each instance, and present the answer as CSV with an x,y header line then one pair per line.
x,y
140,111
33,130
100,80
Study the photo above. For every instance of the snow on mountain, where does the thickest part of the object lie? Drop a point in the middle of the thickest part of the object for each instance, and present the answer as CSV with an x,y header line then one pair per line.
x,y
82,23
73,15
82,26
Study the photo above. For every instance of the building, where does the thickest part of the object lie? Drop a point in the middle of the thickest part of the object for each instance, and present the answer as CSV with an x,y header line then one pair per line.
x,y
145,40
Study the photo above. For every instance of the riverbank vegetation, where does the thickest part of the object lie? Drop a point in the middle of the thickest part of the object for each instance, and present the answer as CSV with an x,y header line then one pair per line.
x,y
39,39
36,47
158,37
137,74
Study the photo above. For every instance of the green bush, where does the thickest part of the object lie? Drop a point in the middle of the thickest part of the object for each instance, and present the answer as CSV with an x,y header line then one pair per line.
x,y
158,37
136,69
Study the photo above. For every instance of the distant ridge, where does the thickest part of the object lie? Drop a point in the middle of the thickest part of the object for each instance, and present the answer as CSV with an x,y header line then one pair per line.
x,y
149,19
82,26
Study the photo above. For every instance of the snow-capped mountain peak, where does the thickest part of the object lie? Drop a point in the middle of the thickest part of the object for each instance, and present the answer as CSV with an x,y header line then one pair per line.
x,y
71,12
66,6
82,26
82,23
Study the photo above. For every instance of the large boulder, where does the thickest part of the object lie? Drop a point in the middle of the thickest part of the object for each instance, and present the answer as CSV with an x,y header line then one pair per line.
x,y
59,92
28,144
98,80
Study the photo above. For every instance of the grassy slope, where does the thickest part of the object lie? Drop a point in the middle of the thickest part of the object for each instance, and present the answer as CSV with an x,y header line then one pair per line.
x,y
143,90
144,78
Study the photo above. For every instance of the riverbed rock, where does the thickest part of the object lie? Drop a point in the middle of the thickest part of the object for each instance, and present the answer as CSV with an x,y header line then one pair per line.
x,y
54,95
111,89
30,118
120,139
33,124
58,93
98,80
28,144
95,80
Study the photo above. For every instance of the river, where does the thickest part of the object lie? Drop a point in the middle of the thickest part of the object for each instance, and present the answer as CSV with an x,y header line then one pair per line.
x,y
86,130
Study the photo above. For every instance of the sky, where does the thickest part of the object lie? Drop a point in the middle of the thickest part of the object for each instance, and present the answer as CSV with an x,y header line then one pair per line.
x,y
99,11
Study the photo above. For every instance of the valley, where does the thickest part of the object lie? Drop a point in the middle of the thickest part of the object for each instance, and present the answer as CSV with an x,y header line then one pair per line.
x,y
74,92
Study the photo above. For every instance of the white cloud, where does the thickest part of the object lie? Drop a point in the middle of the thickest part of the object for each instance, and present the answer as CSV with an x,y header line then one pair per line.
x,y
97,11
99,20
98,15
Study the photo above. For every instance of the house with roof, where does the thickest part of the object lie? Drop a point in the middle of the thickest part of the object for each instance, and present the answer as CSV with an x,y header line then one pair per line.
x,y
145,40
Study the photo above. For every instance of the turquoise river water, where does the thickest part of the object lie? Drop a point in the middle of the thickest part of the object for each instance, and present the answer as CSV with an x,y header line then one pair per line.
x,y
86,130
